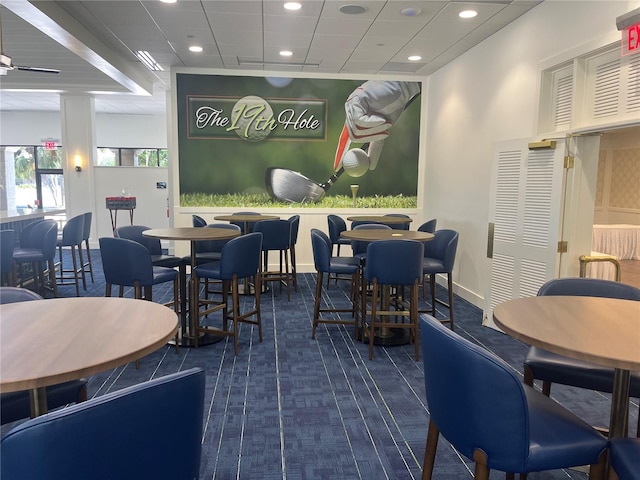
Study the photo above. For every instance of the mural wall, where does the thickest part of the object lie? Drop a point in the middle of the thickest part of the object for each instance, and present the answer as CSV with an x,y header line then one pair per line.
x,y
260,141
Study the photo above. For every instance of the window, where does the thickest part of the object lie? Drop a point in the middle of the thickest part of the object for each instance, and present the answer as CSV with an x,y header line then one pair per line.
x,y
132,157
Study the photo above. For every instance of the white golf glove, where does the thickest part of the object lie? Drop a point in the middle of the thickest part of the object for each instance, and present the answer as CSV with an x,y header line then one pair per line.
x,y
371,111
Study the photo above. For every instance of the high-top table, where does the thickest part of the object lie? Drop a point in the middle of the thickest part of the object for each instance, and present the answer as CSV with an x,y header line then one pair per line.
x,y
193,235
384,219
604,331
46,342
245,218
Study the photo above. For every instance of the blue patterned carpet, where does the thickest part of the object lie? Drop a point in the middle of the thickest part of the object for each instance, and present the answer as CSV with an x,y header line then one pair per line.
x,y
296,408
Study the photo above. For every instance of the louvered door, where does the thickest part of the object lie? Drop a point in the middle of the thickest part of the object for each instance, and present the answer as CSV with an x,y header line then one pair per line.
x,y
525,214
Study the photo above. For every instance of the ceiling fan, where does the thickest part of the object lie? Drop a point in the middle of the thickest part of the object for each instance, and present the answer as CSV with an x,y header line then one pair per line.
x,y
6,63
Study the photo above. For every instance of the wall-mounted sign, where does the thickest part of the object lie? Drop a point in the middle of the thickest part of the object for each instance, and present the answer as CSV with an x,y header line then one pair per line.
x,y
48,145
631,40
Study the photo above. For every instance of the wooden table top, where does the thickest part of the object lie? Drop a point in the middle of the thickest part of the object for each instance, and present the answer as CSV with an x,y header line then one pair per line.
x,y
245,217
386,219
191,233
44,342
605,331
371,235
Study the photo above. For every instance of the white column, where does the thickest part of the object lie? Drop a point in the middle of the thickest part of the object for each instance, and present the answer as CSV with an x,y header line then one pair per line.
x,y
77,117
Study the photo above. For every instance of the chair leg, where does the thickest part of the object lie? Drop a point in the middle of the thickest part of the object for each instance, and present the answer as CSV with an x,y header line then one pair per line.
x,y
414,318
89,264
374,302
481,469
236,308
430,452
82,273
432,286
597,470
316,304
450,287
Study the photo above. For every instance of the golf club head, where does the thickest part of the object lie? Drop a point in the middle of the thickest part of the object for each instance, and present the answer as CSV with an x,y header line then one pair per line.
x,y
293,187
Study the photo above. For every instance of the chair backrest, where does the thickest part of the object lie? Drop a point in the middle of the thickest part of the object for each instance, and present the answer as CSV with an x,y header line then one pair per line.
x,y
134,232
198,221
125,261
42,236
394,262
336,226
474,397
276,234
121,435
7,242
73,230
241,256
429,226
321,247
357,223
443,247
359,247
25,233
294,220
589,287
17,294
399,226
86,232
215,246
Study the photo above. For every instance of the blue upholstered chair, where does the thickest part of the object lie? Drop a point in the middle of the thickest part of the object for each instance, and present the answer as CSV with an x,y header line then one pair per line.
x,y
336,226
87,266
294,220
210,250
325,263
7,242
16,405
428,226
540,364
625,457
72,237
198,221
127,263
276,237
38,248
397,264
400,226
250,225
240,259
439,257
478,403
123,435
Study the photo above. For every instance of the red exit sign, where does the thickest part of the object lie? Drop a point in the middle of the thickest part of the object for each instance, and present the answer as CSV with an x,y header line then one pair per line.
x,y
50,145
631,40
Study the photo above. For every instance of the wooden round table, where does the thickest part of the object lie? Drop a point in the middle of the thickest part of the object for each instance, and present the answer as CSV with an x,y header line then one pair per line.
x,y
245,218
193,235
45,342
605,331
373,234
384,219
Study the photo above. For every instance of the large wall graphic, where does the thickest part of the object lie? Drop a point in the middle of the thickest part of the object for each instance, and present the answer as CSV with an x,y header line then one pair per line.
x,y
254,141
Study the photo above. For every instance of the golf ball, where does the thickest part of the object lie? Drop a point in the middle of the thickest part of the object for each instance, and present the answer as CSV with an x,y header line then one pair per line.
x,y
355,162
252,118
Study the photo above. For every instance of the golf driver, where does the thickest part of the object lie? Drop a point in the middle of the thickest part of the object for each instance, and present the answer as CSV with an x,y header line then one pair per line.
x,y
289,186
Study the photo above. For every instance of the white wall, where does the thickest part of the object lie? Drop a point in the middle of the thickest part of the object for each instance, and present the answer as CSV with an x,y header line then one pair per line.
x,y
491,94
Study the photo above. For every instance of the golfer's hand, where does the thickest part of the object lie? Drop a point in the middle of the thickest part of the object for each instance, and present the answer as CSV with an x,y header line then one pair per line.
x,y
374,106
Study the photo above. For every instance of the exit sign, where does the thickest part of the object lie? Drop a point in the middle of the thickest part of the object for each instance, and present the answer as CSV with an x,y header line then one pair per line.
x,y
631,40
50,145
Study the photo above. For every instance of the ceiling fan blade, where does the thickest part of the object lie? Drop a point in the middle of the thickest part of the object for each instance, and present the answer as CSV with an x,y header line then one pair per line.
x,y
36,69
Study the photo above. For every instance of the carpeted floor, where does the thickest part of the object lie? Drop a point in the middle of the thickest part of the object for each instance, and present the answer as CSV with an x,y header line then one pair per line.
x,y
296,408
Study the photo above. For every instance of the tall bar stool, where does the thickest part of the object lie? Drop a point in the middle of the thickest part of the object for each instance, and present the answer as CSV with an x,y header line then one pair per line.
x,y
87,265
295,226
7,241
72,237
276,236
326,263
38,249
439,257
392,264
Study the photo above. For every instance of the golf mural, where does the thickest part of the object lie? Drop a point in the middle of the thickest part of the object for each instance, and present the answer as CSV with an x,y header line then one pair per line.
x,y
259,141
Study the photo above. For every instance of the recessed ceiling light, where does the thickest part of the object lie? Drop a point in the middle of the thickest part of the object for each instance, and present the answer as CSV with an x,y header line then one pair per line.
x,y
168,1
195,48
286,53
467,14
414,58
292,6
352,9
410,12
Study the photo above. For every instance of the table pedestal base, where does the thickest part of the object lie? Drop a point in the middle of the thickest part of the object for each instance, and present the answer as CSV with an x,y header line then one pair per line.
x,y
203,340
389,337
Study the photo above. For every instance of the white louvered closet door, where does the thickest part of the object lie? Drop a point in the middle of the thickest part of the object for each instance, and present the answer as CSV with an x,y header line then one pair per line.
x,y
525,211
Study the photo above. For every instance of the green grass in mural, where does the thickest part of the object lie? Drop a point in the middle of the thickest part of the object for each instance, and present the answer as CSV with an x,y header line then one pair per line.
x,y
265,201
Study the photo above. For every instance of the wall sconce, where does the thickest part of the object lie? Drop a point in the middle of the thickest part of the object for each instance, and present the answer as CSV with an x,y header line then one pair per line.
x,y
78,162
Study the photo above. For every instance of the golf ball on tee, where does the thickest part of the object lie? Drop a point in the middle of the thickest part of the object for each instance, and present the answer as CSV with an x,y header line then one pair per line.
x,y
252,118
355,162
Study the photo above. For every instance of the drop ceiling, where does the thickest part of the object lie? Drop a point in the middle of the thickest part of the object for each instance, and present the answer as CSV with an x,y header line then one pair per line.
x,y
92,43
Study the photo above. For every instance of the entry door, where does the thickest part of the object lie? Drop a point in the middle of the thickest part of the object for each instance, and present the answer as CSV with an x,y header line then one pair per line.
x,y
524,216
